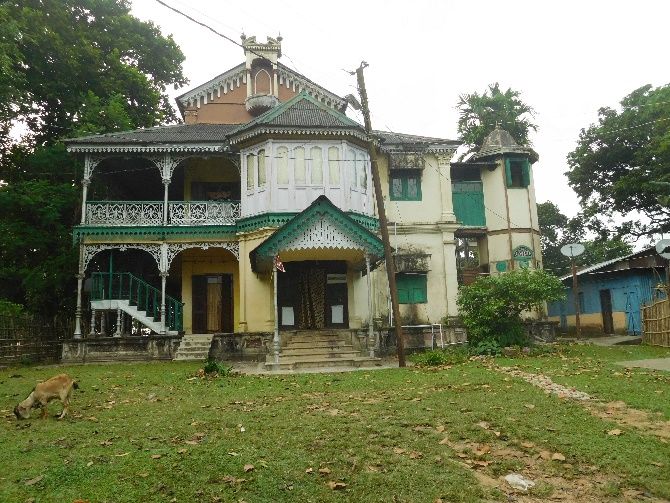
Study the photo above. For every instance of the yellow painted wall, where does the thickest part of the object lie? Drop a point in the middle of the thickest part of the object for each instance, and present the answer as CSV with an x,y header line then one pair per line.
x,y
429,209
257,314
212,261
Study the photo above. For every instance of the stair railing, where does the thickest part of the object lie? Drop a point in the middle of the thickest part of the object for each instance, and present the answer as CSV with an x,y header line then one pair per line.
x,y
139,293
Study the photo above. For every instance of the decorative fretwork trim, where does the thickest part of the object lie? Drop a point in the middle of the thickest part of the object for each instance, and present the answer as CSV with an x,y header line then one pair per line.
x,y
91,250
153,148
299,131
175,248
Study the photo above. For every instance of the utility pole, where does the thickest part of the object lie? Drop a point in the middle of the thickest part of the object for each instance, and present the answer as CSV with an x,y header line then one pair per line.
x,y
383,223
575,289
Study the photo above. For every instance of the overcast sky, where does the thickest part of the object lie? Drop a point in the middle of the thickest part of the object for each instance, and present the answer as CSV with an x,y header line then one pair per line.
x,y
566,58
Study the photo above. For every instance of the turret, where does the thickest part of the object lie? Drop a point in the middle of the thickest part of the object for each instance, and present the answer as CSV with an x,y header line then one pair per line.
x,y
262,79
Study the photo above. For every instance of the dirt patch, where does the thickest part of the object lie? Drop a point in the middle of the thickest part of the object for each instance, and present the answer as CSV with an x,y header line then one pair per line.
x,y
647,422
555,478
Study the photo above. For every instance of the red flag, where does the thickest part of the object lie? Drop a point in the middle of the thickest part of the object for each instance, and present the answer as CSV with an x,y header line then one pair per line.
x,y
278,265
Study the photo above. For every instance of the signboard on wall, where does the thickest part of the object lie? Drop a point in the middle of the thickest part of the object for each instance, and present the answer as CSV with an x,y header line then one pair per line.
x,y
522,255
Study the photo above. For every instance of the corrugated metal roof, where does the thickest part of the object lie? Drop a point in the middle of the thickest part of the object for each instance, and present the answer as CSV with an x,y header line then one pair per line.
x,y
596,267
178,133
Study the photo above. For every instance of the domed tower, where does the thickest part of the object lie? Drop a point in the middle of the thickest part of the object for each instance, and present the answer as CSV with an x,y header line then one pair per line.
x,y
262,78
513,233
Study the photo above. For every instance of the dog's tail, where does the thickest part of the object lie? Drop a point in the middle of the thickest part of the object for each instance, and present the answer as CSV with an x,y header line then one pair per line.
x,y
75,384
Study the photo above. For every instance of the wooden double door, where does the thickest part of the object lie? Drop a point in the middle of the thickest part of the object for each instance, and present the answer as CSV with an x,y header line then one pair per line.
x,y
312,295
213,303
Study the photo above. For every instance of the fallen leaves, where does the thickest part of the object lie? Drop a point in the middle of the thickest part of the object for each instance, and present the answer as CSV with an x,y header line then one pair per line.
x,y
324,471
336,486
156,456
249,468
615,432
34,481
557,456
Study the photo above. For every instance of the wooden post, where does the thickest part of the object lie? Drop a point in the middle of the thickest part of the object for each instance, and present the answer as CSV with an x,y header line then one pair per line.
x,y
164,276
575,291
383,222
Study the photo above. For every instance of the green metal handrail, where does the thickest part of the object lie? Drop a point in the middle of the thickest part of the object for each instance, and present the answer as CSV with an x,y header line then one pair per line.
x,y
139,293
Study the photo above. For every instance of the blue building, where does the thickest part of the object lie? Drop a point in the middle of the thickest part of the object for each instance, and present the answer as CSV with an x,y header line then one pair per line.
x,y
611,294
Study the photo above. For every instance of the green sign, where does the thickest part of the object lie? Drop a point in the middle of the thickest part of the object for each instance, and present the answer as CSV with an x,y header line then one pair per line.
x,y
501,266
522,253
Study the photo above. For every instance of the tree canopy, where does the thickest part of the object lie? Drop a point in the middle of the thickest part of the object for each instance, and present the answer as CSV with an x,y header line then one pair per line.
x,y
67,68
480,113
622,163
558,230
57,55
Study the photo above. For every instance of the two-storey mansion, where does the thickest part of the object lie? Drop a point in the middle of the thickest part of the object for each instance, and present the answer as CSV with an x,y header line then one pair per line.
x,y
181,224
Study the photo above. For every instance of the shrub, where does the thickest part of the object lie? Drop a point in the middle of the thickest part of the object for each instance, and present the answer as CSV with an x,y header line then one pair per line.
x,y
439,357
491,307
8,308
212,367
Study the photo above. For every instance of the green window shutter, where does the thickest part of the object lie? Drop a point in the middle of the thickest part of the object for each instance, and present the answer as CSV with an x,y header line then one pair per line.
x,y
411,288
525,172
508,172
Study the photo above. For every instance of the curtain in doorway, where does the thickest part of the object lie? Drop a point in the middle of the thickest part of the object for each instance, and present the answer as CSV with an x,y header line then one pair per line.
x,y
214,304
312,295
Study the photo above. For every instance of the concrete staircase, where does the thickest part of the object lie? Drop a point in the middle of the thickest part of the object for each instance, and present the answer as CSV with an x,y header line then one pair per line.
x,y
136,314
194,347
318,349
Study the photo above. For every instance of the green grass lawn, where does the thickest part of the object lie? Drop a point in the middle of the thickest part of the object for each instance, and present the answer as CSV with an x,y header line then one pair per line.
x,y
149,432
593,369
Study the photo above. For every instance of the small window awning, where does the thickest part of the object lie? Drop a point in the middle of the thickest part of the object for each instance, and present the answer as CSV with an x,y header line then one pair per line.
x,y
323,229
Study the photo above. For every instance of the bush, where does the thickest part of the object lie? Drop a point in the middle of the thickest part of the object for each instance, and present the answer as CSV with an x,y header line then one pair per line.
x,y
439,357
213,367
8,308
491,307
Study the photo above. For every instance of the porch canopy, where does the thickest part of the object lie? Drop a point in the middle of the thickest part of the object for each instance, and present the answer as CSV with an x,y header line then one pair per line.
x,y
321,228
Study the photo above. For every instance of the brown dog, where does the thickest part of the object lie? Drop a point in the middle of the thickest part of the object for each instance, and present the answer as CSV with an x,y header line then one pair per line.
x,y
59,387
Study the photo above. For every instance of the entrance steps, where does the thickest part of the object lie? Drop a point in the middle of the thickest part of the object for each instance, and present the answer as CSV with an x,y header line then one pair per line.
x,y
194,347
318,349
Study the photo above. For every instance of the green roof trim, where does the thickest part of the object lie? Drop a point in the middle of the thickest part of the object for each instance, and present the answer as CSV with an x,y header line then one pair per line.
x,y
320,209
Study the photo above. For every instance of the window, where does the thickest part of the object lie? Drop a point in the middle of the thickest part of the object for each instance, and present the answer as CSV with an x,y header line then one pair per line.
x,y
282,166
299,166
405,185
316,166
334,166
261,168
517,173
580,299
362,172
251,168
412,288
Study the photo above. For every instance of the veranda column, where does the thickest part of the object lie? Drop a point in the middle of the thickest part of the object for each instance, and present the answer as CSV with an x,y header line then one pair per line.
x,y
450,272
84,183
77,322
164,276
444,170
371,332
91,332
80,282
166,184
117,333
275,340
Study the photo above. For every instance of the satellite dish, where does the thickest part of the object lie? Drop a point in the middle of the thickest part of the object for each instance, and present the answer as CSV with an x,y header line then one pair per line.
x,y
573,250
663,248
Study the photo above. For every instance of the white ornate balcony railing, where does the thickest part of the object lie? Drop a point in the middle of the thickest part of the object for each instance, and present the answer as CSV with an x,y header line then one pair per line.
x,y
203,212
150,213
113,213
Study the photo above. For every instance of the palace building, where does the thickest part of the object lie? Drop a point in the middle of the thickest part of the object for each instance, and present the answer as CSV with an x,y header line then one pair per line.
x,y
182,225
